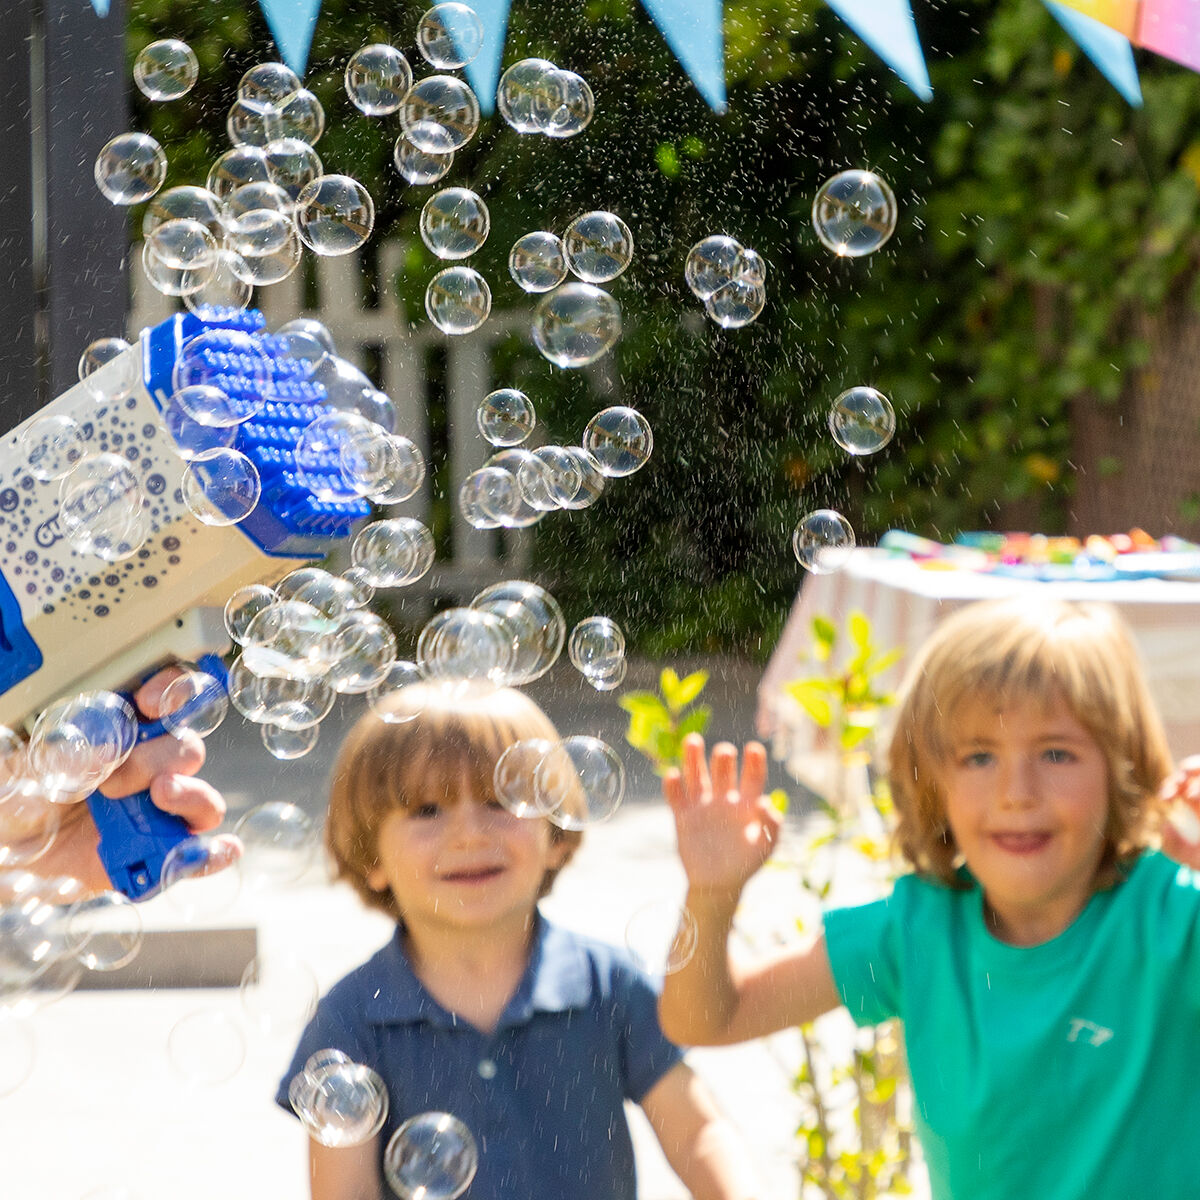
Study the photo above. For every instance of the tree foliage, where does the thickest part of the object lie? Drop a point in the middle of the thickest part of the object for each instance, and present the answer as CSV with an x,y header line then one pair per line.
x,y
1040,215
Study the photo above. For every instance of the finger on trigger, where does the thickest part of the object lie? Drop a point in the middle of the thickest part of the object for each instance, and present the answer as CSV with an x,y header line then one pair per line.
x,y
200,805
148,697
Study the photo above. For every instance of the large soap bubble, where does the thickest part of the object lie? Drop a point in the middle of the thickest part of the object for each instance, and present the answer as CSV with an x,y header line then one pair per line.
x,y
221,487
449,36
76,744
505,417
54,446
432,1156
537,261
854,213
454,223
862,420
420,167
293,164
597,647
130,168
519,95
393,553
268,87
101,506
512,777
166,69
300,116
563,105
466,643
279,842
823,541
458,300
339,1102
620,440
576,324
736,303
115,383
377,79
440,114
334,215
535,655
579,782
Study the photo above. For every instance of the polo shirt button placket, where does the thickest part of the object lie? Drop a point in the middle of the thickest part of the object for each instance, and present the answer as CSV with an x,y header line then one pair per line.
x,y
486,1068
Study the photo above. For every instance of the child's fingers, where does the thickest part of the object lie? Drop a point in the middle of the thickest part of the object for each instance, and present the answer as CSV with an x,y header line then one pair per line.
x,y
696,783
754,770
672,786
724,770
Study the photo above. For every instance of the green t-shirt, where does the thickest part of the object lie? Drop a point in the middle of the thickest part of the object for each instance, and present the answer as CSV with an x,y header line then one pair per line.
x,y
1065,1071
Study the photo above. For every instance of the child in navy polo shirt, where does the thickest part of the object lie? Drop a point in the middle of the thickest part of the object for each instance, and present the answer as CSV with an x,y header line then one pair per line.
x,y
531,1035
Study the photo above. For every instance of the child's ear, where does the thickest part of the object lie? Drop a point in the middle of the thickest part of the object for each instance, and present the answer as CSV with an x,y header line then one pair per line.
x,y
377,879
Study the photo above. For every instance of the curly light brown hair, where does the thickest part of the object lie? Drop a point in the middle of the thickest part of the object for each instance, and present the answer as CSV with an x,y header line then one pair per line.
x,y
1035,650
422,744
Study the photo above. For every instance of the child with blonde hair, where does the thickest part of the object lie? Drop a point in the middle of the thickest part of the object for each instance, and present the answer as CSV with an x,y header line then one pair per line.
x,y
1043,955
532,1036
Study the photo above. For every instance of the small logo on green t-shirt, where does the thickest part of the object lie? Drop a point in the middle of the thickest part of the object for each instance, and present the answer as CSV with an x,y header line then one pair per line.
x,y
1082,1030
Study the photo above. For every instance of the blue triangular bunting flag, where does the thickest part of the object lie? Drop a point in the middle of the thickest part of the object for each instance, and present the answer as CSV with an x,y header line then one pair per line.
x,y
695,32
888,27
292,23
101,7
1111,51
484,72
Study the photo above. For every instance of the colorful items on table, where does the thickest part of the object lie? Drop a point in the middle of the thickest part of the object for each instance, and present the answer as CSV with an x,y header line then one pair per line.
x,y
1132,555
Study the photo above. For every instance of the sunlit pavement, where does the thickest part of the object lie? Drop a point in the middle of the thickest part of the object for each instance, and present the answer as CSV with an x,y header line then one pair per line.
x,y
109,1104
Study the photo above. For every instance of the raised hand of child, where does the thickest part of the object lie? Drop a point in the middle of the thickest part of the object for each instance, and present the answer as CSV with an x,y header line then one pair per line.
x,y
1180,796
725,826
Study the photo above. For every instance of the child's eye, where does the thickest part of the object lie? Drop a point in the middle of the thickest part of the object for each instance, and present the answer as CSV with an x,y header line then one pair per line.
x,y
424,811
977,758
1058,755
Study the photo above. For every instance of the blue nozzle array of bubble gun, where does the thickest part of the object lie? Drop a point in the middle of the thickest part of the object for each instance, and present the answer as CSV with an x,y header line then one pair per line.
x,y
72,622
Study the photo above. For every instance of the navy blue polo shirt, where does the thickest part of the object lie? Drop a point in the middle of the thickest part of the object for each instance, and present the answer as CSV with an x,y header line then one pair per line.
x,y
543,1093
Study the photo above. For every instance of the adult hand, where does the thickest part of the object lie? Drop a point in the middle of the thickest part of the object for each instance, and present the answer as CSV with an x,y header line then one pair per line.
x,y
1180,796
725,826
165,766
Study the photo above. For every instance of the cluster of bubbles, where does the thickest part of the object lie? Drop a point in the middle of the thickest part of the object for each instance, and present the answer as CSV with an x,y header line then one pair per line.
x,y
597,651
730,279
854,214
340,1102
515,488
535,96
576,782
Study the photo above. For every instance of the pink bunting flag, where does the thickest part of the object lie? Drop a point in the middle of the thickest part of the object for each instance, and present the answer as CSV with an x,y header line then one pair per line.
x,y
1171,28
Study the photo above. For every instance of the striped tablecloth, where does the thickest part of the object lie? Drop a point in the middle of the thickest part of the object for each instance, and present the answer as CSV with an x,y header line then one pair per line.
x,y
904,601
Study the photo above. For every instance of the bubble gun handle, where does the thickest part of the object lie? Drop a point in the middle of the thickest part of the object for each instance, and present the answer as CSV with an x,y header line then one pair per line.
x,y
135,834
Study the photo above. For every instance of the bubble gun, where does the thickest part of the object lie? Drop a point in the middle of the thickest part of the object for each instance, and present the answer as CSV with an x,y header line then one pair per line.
x,y
72,621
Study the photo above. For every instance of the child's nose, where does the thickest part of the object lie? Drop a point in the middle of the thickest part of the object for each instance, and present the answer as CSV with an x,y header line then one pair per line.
x,y
1020,787
470,819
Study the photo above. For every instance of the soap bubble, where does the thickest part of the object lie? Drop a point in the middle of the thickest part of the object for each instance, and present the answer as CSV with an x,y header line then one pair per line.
x,y
319,449
267,248
235,169
77,743
223,285
419,166
736,303
512,778
104,932
377,79
289,702
854,213
130,168
513,460
279,843
14,767
537,654
182,242
466,643
17,1051
54,445
210,406
548,478
449,36
335,215
243,606
206,1047
862,420
166,69
190,437
563,105
196,879
184,204
268,87
537,261
340,1103
221,487
363,650
440,114
362,589
35,960
598,246
711,263
279,993
330,595
346,387
596,647
288,640
823,541
245,126
608,683
458,300
580,782
505,417
30,821
576,324
100,504
384,466
454,223
308,328
172,281
517,96
300,116
751,266
619,439
394,552
432,1156
401,674
662,938
195,702
116,383
203,358
293,164
489,497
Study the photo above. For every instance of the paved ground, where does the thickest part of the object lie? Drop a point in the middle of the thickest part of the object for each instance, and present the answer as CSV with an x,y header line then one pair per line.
x,y
116,1095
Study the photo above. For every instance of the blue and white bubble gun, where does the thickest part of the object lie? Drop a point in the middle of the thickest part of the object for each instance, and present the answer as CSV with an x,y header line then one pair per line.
x,y
71,621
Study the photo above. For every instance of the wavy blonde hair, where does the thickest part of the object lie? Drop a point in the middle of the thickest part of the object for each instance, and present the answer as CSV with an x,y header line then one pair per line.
x,y
1020,651
437,735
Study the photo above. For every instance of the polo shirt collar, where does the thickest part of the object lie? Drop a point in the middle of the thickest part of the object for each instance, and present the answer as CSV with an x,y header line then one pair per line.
x,y
557,978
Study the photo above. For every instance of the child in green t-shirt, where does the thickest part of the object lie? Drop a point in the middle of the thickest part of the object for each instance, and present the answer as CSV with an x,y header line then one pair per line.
x,y
1043,957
